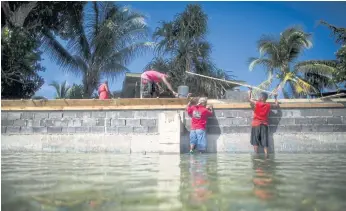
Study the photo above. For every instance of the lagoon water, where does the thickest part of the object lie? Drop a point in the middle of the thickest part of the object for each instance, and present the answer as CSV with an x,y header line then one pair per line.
x,y
239,182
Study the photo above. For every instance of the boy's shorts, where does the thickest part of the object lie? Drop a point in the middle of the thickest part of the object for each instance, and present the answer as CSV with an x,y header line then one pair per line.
x,y
259,136
198,138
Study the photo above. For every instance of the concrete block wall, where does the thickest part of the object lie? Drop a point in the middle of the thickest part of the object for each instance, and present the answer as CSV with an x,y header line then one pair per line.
x,y
71,122
131,131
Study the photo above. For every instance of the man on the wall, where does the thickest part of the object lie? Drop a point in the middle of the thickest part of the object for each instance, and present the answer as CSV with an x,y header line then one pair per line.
x,y
150,80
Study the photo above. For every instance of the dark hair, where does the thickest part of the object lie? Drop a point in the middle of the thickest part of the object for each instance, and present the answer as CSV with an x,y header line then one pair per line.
x,y
264,95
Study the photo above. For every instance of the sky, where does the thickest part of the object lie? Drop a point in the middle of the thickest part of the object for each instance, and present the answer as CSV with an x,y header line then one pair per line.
x,y
233,30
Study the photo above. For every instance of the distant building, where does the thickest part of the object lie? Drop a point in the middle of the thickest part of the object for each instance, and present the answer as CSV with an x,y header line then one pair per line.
x,y
131,85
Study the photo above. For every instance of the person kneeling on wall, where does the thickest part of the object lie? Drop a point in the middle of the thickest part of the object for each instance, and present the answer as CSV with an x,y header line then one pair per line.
x,y
199,116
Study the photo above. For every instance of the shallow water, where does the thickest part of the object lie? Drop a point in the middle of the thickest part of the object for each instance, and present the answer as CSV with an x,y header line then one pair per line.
x,y
245,182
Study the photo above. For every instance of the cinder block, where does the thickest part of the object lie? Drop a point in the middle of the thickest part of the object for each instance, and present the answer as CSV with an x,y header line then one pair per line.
x,y
337,112
325,128
40,129
217,113
244,113
309,128
107,122
140,129
281,121
13,115
12,129
19,122
48,122
125,129
75,123
97,129
224,121
212,130
126,114
118,122
230,113
148,122
89,122
344,120
100,122
318,121
68,130
112,130
211,121
98,114
334,120
82,114
235,129
133,122
41,115
3,129
6,122
112,114
3,115
339,128
153,129
69,114
289,113
239,121
289,129
55,115
316,112
61,123
302,121
28,115
54,129
34,123
82,129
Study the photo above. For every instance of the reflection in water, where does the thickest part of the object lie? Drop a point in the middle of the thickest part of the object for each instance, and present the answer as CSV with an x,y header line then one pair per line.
x,y
108,182
264,170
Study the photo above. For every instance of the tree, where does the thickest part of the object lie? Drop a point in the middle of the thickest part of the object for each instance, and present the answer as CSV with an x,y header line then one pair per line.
x,y
105,43
279,56
183,42
22,24
329,73
19,65
61,90
76,92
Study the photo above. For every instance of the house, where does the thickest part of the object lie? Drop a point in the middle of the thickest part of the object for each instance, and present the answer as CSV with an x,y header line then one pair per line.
x,y
131,85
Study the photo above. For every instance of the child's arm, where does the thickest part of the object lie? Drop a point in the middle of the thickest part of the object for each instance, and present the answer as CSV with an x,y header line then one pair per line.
x,y
276,105
251,100
210,109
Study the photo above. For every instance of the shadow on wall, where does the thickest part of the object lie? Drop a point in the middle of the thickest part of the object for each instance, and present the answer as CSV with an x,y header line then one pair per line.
x,y
274,120
213,134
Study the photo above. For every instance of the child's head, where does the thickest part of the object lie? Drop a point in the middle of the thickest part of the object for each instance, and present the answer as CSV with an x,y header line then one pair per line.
x,y
263,97
202,101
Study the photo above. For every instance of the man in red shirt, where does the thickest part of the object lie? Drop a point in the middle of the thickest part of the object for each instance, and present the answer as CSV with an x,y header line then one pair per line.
x,y
259,131
199,116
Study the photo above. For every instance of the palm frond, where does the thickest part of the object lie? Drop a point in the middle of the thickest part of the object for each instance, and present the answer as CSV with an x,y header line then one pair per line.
x,y
253,62
58,53
325,68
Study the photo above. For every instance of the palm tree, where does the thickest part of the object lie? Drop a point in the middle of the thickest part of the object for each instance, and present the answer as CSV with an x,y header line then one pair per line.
x,y
61,90
278,56
329,73
105,43
183,42
76,92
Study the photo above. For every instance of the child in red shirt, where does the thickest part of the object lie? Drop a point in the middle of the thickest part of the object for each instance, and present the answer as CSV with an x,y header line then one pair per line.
x,y
259,131
199,114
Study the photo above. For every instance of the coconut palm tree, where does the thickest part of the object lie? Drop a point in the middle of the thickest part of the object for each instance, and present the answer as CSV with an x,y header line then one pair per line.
x,y
328,73
183,42
279,57
61,90
105,43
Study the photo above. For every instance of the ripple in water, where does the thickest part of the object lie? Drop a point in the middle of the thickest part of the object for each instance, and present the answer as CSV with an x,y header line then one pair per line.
x,y
103,182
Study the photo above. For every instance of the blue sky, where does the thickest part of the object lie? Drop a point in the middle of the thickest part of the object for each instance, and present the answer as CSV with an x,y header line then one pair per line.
x,y
233,29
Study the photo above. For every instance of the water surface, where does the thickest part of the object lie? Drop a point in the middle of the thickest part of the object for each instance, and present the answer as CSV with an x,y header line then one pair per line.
x,y
59,181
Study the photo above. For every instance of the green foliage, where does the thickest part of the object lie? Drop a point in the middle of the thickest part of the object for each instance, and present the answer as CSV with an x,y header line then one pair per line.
x,y
105,43
183,42
76,92
19,64
22,25
62,90
279,56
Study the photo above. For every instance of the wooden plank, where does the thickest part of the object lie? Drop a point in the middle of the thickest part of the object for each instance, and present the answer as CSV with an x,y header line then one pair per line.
x,y
159,107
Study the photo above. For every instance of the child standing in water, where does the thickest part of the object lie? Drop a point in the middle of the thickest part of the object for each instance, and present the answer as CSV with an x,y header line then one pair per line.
x,y
259,131
199,114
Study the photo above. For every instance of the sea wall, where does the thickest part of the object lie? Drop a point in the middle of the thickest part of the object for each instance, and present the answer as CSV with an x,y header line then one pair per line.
x,y
161,126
